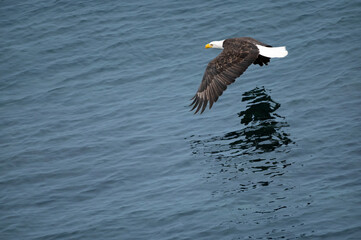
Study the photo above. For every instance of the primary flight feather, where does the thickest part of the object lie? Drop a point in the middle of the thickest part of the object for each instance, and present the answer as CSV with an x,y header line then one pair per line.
x,y
237,55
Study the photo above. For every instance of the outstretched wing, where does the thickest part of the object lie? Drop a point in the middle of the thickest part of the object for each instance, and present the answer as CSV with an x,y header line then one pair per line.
x,y
222,71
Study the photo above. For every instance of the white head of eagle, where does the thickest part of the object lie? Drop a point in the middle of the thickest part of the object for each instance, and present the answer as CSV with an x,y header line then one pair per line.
x,y
215,44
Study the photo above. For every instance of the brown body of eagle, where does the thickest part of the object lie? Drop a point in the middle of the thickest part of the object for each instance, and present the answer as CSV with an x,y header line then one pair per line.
x,y
237,55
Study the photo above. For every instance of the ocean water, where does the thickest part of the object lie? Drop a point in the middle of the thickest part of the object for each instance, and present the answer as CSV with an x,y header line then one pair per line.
x,y
97,140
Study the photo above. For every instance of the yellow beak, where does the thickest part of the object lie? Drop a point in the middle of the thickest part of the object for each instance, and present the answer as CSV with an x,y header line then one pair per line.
x,y
208,46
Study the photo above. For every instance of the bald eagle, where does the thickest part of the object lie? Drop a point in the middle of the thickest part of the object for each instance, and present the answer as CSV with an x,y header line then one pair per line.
x,y
237,55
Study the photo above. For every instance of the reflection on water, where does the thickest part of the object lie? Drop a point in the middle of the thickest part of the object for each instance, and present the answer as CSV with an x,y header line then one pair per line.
x,y
261,132
251,158
264,127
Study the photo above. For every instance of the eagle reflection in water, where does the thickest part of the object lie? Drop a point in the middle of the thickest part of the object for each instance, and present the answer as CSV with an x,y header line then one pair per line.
x,y
263,132
254,156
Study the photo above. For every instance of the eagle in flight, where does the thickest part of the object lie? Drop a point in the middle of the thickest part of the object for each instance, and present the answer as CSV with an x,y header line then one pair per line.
x,y
237,55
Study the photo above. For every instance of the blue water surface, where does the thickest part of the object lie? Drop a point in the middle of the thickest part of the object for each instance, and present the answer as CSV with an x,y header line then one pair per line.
x,y
97,140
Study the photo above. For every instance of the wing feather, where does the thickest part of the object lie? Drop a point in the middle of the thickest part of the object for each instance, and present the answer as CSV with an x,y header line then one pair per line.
x,y
222,71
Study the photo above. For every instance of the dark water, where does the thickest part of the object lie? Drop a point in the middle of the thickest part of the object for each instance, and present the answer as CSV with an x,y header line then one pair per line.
x,y
97,141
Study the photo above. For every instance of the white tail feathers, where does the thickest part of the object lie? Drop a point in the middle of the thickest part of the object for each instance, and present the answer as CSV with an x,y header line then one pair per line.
x,y
272,52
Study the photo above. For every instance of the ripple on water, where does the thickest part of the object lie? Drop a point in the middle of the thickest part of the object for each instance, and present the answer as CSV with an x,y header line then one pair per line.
x,y
252,160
